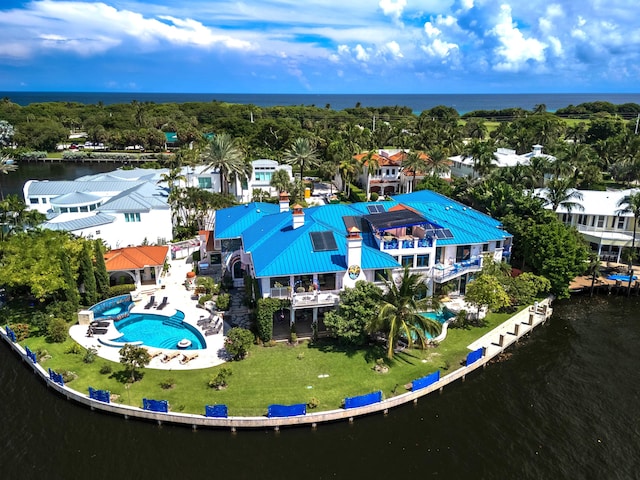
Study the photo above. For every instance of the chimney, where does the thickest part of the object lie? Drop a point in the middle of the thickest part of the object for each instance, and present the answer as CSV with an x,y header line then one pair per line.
x,y
537,150
284,202
354,258
298,216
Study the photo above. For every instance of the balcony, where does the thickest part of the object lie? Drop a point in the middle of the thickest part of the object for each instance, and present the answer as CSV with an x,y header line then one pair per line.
x,y
390,242
442,273
326,298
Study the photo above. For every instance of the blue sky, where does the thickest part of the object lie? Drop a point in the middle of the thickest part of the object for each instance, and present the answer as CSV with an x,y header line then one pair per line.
x,y
321,46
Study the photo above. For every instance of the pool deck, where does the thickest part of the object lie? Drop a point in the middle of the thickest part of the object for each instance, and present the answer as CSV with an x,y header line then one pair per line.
x,y
179,298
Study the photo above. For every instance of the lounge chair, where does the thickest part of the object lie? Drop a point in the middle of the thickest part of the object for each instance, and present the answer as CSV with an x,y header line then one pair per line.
x,y
164,303
170,356
150,303
187,357
154,352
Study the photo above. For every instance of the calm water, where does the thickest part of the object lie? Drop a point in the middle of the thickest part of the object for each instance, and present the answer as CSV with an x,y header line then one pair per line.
x,y
417,102
564,405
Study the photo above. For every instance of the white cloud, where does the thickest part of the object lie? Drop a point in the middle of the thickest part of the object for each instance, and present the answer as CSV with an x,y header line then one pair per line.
x,y
393,48
514,50
439,48
431,31
392,8
361,53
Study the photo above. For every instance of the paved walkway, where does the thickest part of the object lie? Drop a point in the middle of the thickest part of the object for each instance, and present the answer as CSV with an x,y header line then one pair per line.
x,y
179,299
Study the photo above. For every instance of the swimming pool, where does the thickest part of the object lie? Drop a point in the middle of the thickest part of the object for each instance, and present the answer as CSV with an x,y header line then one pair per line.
x,y
439,316
159,331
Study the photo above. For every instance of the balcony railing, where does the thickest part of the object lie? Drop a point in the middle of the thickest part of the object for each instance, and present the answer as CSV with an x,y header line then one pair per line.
x,y
396,243
443,273
320,298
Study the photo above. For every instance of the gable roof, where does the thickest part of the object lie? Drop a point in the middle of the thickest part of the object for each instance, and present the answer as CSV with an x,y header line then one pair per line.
x,y
129,258
232,222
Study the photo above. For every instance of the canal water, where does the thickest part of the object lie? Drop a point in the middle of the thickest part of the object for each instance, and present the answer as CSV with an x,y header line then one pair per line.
x,y
565,404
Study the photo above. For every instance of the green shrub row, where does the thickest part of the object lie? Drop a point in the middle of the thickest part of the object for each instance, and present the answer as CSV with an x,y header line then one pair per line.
x,y
357,194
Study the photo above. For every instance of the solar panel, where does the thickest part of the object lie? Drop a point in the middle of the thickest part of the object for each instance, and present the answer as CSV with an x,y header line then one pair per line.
x,y
323,241
375,208
443,233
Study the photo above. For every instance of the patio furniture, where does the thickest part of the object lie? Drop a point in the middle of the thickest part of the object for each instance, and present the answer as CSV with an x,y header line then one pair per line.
x,y
150,303
163,304
187,357
170,356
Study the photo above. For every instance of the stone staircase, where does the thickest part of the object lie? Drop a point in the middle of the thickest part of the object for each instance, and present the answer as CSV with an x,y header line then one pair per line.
x,y
238,314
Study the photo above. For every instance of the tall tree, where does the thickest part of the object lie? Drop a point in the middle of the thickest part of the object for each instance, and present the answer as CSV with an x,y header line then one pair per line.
x,y
222,153
86,276
101,274
280,180
302,152
631,204
399,311
561,192
415,162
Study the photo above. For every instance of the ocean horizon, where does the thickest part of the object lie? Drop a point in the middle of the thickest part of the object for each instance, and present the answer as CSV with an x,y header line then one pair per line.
x,y
463,103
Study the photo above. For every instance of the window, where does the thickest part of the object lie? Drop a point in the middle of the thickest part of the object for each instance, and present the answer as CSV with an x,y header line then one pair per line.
x,y
97,232
407,261
485,247
84,209
262,176
93,207
204,182
380,275
621,223
34,201
422,261
73,209
44,200
131,217
600,221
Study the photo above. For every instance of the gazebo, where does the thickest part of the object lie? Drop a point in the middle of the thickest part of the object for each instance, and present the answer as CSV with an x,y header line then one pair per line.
x,y
138,265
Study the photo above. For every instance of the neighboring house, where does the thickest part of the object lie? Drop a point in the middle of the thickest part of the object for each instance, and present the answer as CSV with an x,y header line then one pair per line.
x,y
462,166
262,171
124,207
606,230
137,265
309,255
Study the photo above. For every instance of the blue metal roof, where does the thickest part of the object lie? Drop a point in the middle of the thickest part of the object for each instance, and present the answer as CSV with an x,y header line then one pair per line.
x,y
232,222
75,198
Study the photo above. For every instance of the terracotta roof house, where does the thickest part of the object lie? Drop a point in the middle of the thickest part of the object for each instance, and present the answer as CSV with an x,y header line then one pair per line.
x,y
138,265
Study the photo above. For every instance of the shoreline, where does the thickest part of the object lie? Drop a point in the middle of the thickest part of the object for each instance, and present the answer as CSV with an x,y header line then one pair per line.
x,y
486,348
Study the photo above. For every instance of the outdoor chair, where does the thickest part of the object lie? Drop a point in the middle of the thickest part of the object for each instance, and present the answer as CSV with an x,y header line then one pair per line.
x,y
163,304
150,303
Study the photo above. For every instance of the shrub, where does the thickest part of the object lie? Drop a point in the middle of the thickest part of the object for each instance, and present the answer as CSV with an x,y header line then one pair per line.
x,y
90,355
223,301
121,289
267,307
238,342
106,369
69,376
57,330
374,196
220,380
42,355
21,330
357,195
204,298
313,403
73,349
167,383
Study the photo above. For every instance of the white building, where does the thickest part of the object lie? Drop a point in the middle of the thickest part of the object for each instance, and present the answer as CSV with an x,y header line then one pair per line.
x,y
601,223
462,166
124,207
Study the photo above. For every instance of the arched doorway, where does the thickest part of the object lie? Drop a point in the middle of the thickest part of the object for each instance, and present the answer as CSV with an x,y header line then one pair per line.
x,y
121,278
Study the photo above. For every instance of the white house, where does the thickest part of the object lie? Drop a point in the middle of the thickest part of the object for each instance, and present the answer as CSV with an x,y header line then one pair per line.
x,y
125,207
462,166
603,226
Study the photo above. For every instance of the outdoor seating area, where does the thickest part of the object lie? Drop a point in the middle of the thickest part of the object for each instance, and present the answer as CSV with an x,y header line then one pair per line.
x,y
211,325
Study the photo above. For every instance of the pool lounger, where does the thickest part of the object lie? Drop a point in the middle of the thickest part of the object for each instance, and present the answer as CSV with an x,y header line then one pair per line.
x,y
150,303
187,357
164,303
170,356
154,352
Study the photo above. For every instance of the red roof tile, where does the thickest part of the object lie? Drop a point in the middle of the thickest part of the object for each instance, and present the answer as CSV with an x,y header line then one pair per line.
x,y
135,257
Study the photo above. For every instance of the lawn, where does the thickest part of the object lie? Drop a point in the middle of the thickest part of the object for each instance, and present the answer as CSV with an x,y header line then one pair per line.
x,y
280,374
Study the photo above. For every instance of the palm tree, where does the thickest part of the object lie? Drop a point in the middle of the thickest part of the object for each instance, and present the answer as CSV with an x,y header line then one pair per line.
x,y
400,308
302,152
371,162
561,192
6,166
438,160
631,204
483,155
223,153
414,162
280,180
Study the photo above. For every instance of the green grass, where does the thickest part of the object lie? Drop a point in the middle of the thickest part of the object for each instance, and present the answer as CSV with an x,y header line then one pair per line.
x,y
280,374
